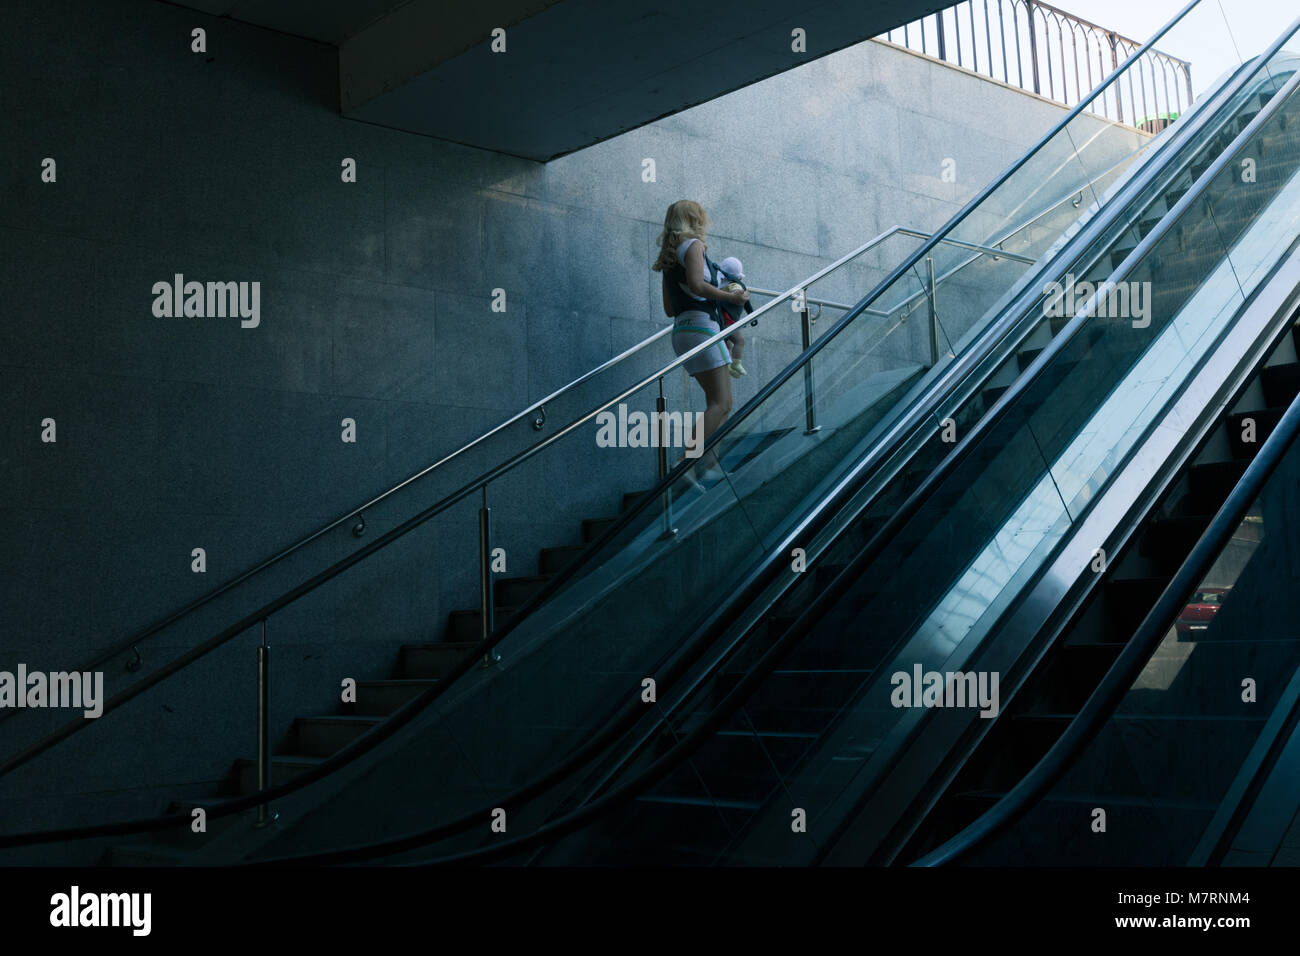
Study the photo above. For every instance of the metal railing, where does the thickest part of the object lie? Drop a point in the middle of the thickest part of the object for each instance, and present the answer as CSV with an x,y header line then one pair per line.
x,y
1056,54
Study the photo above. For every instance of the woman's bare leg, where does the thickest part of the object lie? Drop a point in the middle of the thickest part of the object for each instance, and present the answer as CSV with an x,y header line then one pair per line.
x,y
716,383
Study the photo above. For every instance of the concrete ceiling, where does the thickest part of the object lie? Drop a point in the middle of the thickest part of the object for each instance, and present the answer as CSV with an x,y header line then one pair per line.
x,y
574,72
329,21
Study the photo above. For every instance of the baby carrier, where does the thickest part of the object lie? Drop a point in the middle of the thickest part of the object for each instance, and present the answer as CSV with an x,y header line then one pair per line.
x,y
682,302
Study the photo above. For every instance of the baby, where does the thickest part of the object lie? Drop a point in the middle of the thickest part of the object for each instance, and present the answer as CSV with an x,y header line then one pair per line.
x,y
733,275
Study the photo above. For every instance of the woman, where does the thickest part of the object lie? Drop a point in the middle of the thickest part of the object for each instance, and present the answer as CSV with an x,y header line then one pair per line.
x,y
691,300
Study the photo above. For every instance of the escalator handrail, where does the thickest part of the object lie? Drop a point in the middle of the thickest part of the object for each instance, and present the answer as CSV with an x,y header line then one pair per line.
x,y
1133,658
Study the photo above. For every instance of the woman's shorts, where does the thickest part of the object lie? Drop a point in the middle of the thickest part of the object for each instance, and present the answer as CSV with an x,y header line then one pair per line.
x,y
692,328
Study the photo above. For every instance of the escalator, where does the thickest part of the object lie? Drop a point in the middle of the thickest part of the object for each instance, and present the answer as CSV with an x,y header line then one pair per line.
x,y
817,738
1184,693
1215,675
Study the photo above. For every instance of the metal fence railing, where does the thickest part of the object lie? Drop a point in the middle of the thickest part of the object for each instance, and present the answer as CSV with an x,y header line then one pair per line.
x,y
1038,47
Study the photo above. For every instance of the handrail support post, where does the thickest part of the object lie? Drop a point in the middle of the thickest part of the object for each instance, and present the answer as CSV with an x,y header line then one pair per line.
x,y
934,313
665,499
487,597
809,394
264,814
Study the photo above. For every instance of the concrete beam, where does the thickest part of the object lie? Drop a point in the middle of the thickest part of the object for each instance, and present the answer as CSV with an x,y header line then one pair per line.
x,y
576,72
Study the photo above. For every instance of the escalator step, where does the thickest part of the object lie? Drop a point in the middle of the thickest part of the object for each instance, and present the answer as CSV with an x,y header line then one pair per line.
x,y
1026,358
1057,831
1073,675
793,701
1265,419
1029,737
1210,483
1128,600
660,831
1281,384
1169,540
824,574
681,801
989,797
991,395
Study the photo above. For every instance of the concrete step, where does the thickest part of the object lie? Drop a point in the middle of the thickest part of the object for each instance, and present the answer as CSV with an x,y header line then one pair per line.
x,y
631,498
383,697
283,769
326,736
555,560
593,528
430,661
512,592
465,627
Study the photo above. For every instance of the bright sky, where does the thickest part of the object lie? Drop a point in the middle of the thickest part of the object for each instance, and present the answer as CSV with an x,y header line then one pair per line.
x,y
1205,37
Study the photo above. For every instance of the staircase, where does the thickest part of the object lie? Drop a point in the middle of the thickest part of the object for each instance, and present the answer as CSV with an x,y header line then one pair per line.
x,y
313,739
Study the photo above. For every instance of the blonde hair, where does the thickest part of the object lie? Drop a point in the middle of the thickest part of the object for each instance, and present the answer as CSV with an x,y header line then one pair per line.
x,y
685,219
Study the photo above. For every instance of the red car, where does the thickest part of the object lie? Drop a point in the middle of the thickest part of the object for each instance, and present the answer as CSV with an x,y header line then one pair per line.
x,y
1197,614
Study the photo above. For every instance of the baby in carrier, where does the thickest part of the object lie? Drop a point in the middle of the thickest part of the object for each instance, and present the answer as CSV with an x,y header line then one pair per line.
x,y
732,273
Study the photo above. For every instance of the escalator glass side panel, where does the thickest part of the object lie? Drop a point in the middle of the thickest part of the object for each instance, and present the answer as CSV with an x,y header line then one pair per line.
x,y
1149,783
942,583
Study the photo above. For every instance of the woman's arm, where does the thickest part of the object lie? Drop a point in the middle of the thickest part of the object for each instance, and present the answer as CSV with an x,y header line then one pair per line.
x,y
695,278
668,302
